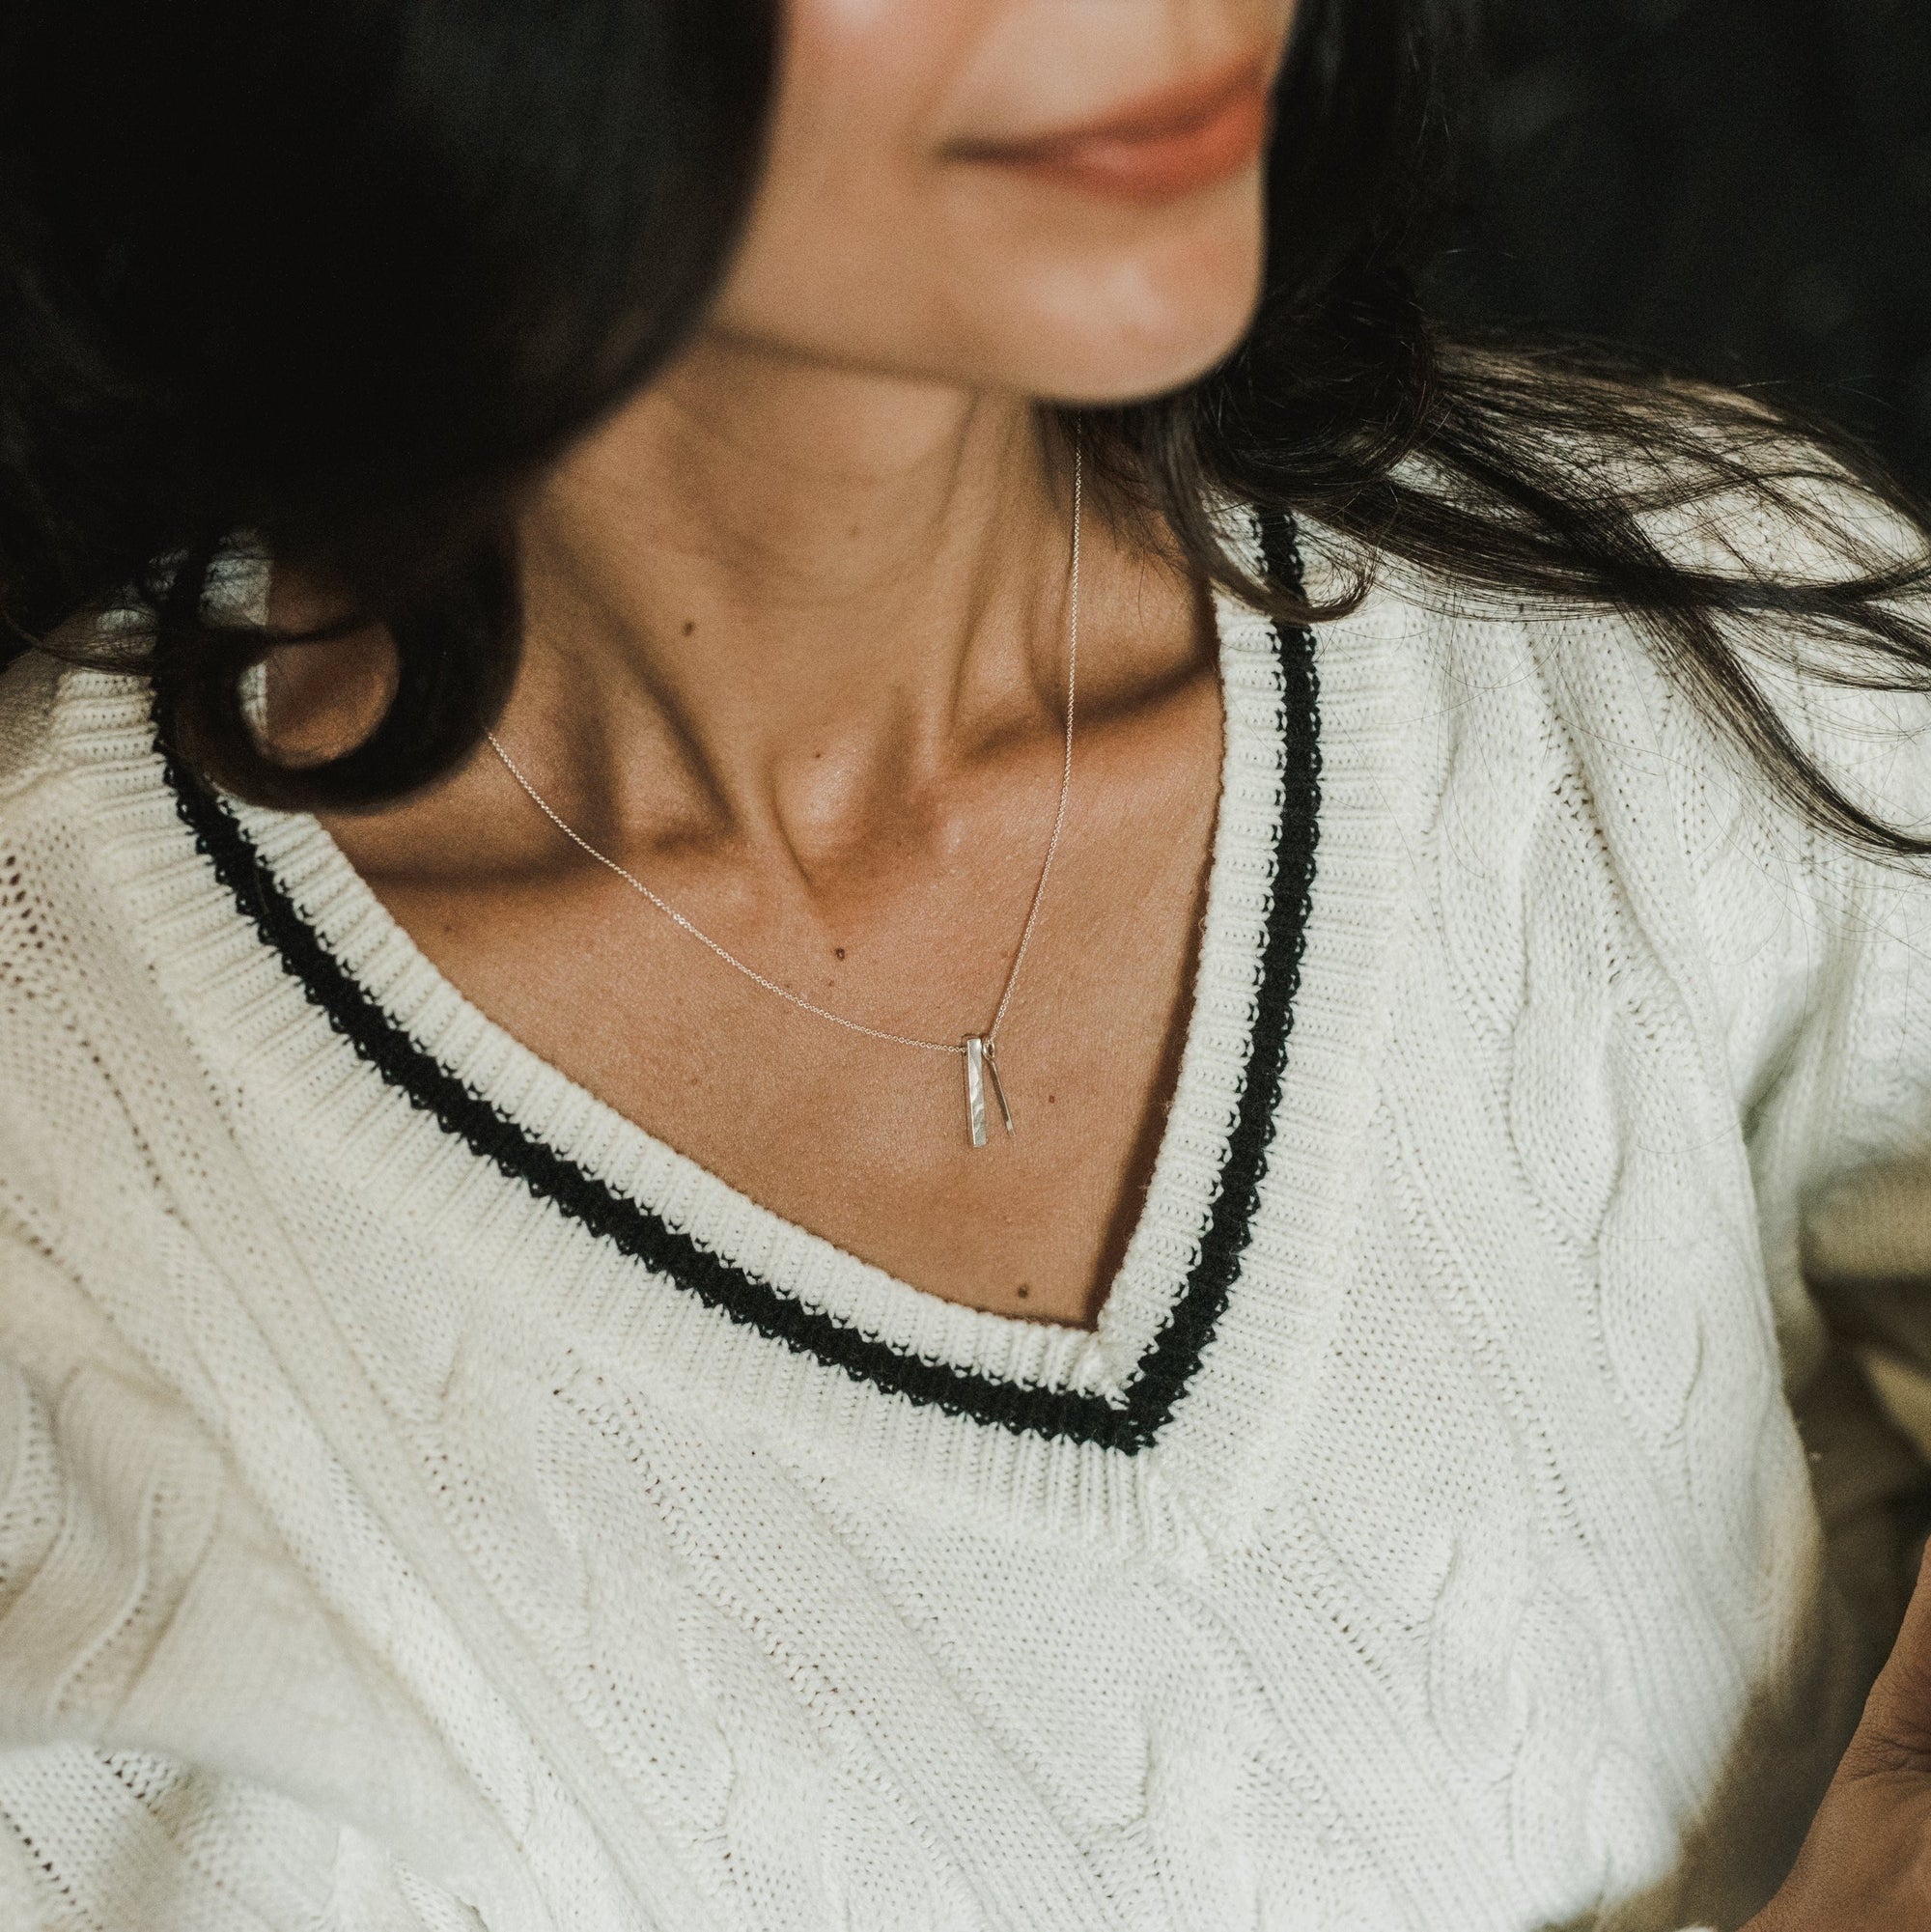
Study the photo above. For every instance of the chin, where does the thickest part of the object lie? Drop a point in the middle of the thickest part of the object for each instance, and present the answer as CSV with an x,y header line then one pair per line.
x,y
1095,325
1111,364
1063,299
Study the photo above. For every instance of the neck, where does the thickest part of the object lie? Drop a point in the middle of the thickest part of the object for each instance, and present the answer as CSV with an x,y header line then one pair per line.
x,y
767,592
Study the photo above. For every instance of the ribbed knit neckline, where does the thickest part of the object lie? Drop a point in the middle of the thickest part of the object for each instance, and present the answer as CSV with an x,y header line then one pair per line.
x,y
651,1272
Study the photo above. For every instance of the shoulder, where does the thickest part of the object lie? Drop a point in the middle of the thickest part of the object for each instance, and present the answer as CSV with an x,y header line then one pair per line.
x,y
1772,602
72,739
1561,749
29,690
81,1022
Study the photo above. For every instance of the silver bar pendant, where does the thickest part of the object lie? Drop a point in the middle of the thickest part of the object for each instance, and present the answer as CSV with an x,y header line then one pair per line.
x,y
998,1090
975,1088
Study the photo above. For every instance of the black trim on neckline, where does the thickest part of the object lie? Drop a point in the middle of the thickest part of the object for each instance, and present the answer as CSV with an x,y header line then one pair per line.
x,y
1169,1364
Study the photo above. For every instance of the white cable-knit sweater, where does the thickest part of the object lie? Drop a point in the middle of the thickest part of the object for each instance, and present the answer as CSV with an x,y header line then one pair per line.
x,y
428,1501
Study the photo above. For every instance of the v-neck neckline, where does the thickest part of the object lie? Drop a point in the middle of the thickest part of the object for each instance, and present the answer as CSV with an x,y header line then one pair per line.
x,y
657,1274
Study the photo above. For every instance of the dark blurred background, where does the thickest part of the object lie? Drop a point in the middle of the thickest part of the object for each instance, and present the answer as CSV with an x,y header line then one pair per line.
x,y
1742,186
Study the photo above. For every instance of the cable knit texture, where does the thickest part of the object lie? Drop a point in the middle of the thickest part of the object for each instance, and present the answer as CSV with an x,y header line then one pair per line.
x,y
428,1501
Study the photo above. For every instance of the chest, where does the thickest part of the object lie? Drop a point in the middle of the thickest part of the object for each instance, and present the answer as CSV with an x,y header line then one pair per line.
x,y
865,1140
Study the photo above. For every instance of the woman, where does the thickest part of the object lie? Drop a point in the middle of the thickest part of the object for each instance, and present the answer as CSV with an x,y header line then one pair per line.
x,y
889,1036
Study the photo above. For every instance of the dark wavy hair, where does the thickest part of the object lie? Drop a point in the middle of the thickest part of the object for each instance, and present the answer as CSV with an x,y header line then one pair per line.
x,y
341,278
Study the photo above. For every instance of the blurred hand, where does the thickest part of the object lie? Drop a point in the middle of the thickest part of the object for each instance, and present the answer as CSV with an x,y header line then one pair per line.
x,y
1865,1865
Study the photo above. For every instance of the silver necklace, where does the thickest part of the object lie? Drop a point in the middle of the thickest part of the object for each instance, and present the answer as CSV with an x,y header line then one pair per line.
x,y
978,1049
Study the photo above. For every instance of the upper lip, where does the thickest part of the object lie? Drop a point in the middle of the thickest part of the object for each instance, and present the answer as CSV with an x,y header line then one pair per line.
x,y
1168,111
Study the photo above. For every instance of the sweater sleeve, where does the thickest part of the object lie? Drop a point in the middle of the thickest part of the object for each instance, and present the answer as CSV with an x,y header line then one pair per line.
x,y
125,1842
1820,951
1840,1130
175,1718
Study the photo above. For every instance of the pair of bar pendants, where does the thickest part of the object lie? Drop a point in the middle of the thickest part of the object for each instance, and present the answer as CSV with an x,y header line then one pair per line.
x,y
980,1069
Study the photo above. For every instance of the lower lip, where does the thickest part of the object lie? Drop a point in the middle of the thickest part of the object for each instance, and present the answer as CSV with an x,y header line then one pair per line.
x,y
1150,167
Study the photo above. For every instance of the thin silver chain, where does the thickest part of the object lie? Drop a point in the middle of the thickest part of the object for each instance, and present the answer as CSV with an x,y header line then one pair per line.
x,y
797,1000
